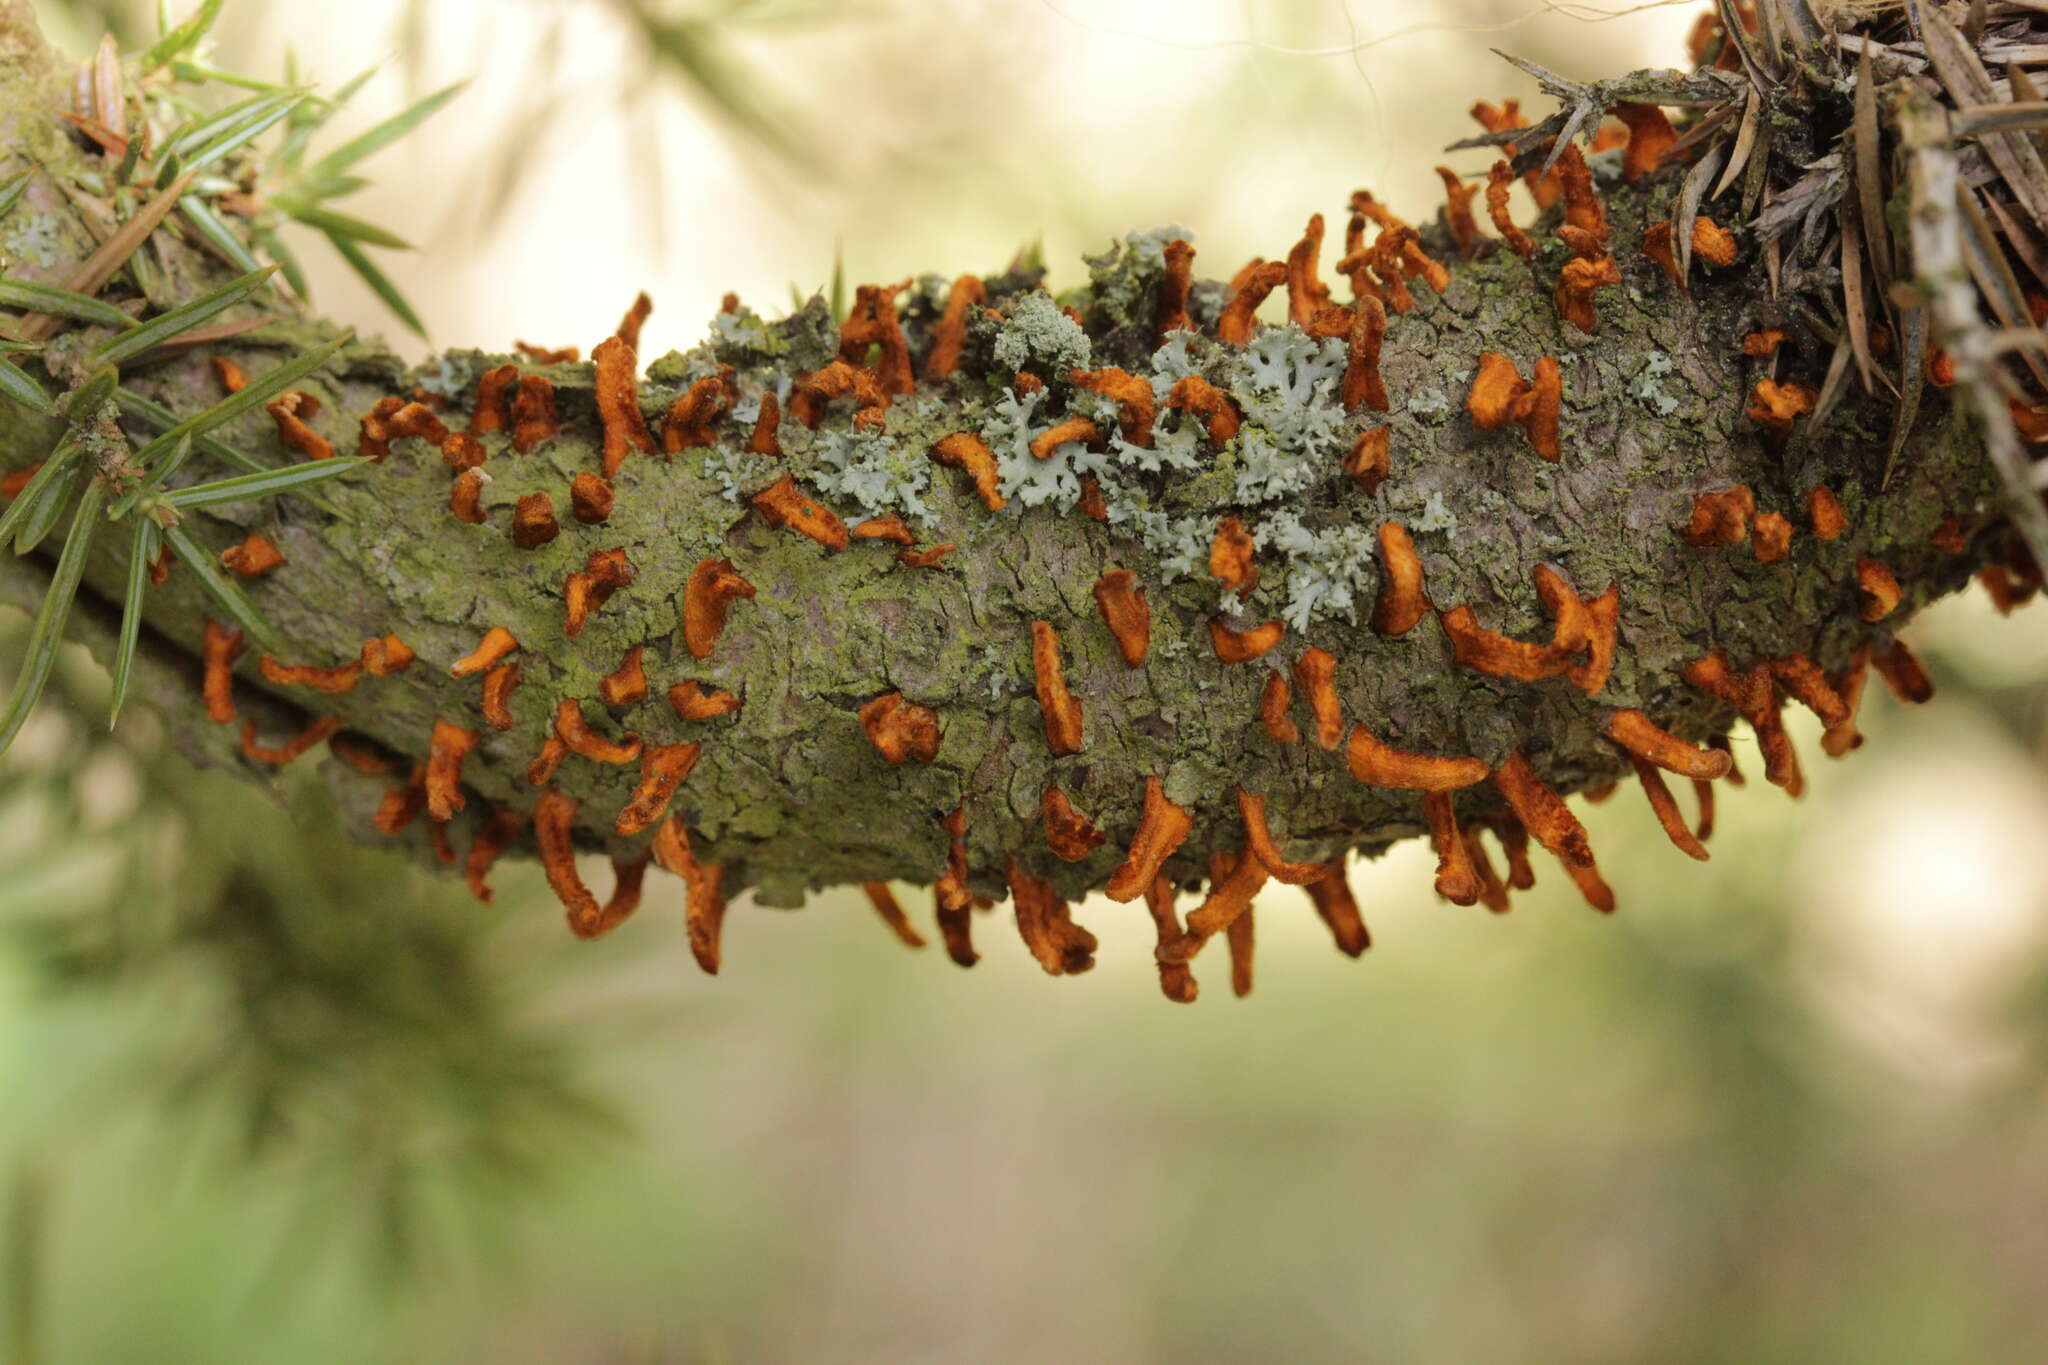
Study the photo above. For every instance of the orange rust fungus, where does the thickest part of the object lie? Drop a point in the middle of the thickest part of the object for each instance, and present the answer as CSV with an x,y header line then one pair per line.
x,y
964,450
542,770
885,528
1210,405
1338,908
1657,246
1775,406
1877,590
1173,290
493,410
1369,461
319,730
2012,583
1059,946
254,557
691,420
218,647
1712,243
548,355
615,387
886,905
1273,702
950,888
289,411
1243,646
1258,838
332,681
1645,739
1754,696
460,451
604,573
949,334
554,820
1378,765
1572,629
1582,206
386,655
783,504
1900,668
1136,407
374,434
533,521
627,683
704,913
499,685
901,729
1765,342
1841,736
1457,878
1126,612
1176,982
465,497
663,768
766,436
1162,826
926,558
1542,812
1071,835
840,380
1060,433
1402,602
1824,513
450,745
1771,538
496,835
1493,892
1235,324
1720,517
1703,792
1665,807
591,499
872,322
1062,710
534,418
1027,382
714,586
1583,245
1233,882
1500,395
1458,197
229,374
1315,673
402,804
419,421
1307,295
1575,286
577,736
1599,793
692,702
1362,381
1503,118
628,329
1649,138
1231,554
1805,682
1239,939
1949,538
496,644
1486,651
1499,179
1514,843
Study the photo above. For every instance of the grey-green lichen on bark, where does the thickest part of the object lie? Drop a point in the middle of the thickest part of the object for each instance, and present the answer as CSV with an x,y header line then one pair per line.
x,y
789,792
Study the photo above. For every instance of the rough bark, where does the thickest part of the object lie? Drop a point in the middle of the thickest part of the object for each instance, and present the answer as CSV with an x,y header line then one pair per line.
x,y
790,793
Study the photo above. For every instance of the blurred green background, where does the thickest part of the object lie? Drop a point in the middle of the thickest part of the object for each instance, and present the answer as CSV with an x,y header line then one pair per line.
x,y
267,1095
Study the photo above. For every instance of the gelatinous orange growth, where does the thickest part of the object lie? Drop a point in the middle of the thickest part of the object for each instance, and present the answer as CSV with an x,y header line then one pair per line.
x,y
627,683
1162,827
290,411
591,499
885,528
499,833
964,450
1071,835
1059,946
229,374
1126,613
542,770
1712,243
1755,698
497,643
1136,406
386,655
554,837
1771,538
628,329
926,558
1575,286
663,768
1402,602
1273,702
1061,709
1776,406
1213,407
493,408
1877,590
1649,138
949,335
332,681
1486,651
872,322
1949,537
901,729
374,434
1500,395
499,684
533,521
1645,739
1242,646
1173,290
1457,878
1258,837
1231,556
320,729
1582,207
1720,517
1315,673
1542,812
766,437
692,702
402,804
451,744
1370,460
604,573
1900,668
1500,178
465,497
1657,246
1307,295
534,418
615,386
1764,342
691,420
1362,382
1458,197
217,650
1176,982
575,733
1064,432
704,911
782,503
1233,882
1251,288
1665,808
1378,765
1338,908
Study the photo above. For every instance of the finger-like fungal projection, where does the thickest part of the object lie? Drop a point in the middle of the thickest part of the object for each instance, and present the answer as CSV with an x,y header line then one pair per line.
x,y
1771,537
1775,405
1367,336
1210,405
218,648
1877,590
465,497
1379,765
1499,396
783,504
591,499
927,558
1179,259
1059,946
1824,514
1486,651
1239,939
691,701
703,883
1665,807
1071,835
1162,827
1124,610
492,650
1754,696
1499,180
373,430
627,683
949,335
1457,879
542,770
501,832
815,393
1458,197
604,573
1841,735
451,744
462,451
534,416
690,421
663,768
1231,554
229,373
1712,243
1136,406
499,684
1402,603
385,656
885,528
533,521
1233,882
1657,247
1315,673
492,410
1583,208
291,412
1243,646
333,681
1056,701
1647,740
1370,459
318,731
1274,698
872,322
1068,430
577,736
901,729
1176,982
629,326
402,805
1650,138
1338,908
1720,517
1764,341
1259,841
1544,814
548,355
617,391
1900,668
1306,294
1235,325
554,818
966,451
891,911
